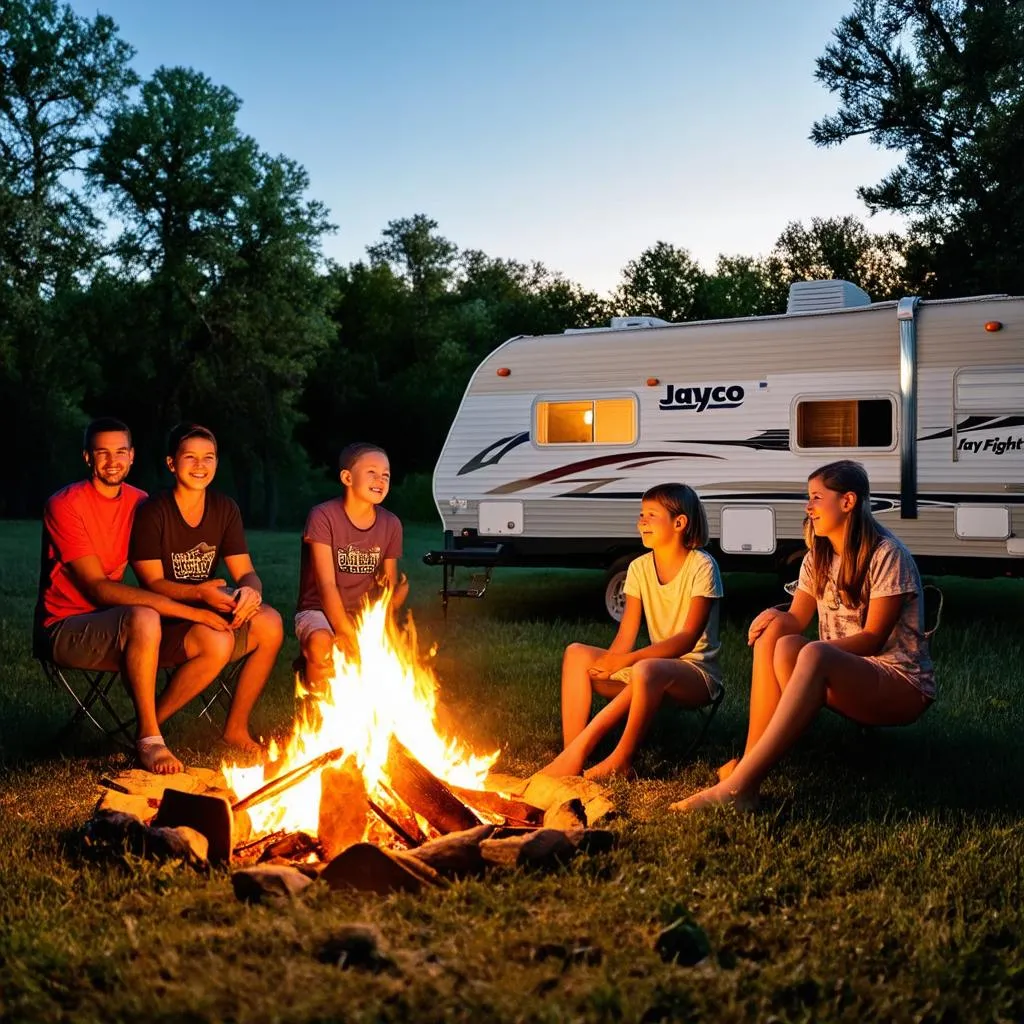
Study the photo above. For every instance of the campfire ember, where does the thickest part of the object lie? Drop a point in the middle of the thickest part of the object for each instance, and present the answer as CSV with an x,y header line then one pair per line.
x,y
367,759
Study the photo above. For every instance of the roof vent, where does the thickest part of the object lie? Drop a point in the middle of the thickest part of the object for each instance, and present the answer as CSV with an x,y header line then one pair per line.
x,y
816,296
621,323
625,323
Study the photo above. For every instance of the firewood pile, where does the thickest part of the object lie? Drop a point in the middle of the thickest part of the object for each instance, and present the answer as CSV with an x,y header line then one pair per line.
x,y
427,835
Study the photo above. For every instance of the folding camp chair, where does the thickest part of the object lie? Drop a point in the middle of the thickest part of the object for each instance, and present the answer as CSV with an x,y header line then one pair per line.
x,y
101,698
706,714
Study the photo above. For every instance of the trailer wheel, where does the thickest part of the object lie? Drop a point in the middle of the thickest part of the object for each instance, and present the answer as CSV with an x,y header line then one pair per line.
x,y
614,592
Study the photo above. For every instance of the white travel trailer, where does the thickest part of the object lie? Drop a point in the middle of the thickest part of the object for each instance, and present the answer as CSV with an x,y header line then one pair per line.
x,y
557,436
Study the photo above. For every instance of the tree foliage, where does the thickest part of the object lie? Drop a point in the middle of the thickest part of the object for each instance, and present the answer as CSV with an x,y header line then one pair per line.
x,y
60,75
942,83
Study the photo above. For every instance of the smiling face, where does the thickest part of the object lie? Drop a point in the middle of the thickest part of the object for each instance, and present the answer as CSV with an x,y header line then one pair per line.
x,y
110,458
369,478
195,464
657,528
828,511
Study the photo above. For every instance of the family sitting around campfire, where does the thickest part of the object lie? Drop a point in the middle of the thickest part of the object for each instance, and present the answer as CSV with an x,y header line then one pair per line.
x,y
870,664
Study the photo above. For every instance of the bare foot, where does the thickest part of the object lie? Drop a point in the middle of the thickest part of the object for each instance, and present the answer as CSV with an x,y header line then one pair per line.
x,y
564,765
727,769
716,796
155,757
244,742
607,768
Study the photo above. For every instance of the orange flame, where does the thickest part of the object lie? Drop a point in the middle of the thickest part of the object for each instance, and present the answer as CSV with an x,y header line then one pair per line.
x,y
387,692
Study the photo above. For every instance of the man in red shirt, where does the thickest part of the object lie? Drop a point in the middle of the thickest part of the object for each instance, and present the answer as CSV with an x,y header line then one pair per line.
x,y
86,616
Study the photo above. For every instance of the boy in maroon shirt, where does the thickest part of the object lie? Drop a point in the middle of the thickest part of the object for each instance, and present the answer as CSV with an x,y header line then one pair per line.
x,y
86,617
350,552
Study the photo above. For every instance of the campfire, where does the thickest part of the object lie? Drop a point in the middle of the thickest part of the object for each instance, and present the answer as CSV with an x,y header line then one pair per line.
x,y
370,791
368,759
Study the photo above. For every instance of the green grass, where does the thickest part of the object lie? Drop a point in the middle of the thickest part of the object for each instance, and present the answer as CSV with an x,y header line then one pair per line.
x,y
881,881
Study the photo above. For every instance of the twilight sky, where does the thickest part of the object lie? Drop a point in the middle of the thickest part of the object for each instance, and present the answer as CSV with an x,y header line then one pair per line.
x,y
574,132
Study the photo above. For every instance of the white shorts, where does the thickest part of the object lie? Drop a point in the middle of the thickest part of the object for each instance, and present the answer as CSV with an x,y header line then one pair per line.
x,y
309,621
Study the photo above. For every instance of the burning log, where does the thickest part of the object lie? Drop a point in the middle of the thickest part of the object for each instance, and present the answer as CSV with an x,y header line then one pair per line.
x,y
343,808
515,812
425,794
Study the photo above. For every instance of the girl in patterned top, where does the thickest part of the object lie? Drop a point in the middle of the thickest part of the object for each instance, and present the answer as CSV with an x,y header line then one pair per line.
x,y
676,587
871,663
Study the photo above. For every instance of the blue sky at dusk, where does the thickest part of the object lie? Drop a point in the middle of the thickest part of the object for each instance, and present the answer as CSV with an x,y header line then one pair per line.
x,y
574,132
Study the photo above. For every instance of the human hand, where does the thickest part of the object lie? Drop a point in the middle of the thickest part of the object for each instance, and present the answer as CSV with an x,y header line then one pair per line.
x,y
346,642
607,664
215,594
760,624
207,617
248,601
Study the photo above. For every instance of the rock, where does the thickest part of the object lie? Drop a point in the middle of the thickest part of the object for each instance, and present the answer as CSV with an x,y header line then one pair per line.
x,y
592,840
683,942
114,833
368,868
263,882
456,855
356,947
543,849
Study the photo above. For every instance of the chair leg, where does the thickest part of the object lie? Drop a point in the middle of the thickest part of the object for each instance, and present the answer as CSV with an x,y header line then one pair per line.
x,y
707,714
97,687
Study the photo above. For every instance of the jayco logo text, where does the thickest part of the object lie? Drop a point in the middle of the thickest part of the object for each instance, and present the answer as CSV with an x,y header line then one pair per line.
x,y
715,396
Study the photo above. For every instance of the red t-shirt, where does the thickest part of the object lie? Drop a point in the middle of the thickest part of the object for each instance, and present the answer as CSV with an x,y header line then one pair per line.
x,y
79,521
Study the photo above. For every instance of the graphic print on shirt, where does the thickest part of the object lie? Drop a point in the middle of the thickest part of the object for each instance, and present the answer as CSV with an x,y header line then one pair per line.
x,y
194,566
354,560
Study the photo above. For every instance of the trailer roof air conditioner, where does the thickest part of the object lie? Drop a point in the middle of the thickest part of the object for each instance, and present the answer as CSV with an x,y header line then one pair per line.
x,y
815,296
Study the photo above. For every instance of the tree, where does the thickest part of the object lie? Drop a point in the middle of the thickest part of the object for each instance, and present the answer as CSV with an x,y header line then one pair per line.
x,y
942,82
743,286
841,247
59,77
225,252
664,282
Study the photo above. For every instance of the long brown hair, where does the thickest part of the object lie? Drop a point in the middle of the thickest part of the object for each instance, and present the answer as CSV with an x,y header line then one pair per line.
x,y
863,532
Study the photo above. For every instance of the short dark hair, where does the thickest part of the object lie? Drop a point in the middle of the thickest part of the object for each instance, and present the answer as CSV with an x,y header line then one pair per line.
x,y
184,432
103,425
682,500
354,451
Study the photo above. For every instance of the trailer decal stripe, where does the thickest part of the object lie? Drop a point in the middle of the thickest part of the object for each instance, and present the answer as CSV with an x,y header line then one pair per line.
x,y
584,464
977,423
488,456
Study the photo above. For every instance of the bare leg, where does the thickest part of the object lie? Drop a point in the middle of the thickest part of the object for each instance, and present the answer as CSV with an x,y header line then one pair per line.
x,y
652,680
577,689
139,667
318,650
571,760
207,651
266,634
765,688
822,675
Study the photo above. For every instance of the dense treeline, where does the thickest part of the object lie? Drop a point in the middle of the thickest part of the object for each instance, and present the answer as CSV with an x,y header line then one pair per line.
x,y
156,263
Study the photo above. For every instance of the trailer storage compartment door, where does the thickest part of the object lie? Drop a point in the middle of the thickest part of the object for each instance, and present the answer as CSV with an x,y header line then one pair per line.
x,y
748,529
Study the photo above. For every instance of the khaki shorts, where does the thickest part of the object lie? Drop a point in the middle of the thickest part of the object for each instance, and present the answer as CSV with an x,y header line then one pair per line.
x,y
308,621
714,685
96,640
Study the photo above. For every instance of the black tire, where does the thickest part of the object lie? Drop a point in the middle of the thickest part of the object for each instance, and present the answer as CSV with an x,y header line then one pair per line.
x,y
615,579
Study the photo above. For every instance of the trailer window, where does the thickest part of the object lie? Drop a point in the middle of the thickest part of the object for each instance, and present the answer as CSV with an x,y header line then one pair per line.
x,y
845,423
599,421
